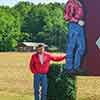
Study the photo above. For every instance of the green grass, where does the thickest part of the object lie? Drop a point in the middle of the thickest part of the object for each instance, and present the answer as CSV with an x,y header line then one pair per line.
x,y
16,80
15,77
16,98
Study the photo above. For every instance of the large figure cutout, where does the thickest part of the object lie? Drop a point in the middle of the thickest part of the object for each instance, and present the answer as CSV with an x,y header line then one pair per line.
x,y
76,40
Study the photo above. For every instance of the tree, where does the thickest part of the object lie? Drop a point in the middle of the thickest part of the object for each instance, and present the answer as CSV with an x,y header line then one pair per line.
x,y
23,8
48,20
9,29
56,26
29,22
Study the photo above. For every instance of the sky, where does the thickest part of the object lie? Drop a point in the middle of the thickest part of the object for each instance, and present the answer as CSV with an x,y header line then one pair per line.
x,y
13,2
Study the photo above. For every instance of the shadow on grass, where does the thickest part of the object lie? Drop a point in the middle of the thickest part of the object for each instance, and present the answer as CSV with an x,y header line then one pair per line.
x,y
61,86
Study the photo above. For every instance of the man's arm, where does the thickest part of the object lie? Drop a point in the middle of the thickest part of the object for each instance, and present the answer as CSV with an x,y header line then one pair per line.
x,y
67,14
57,58
31,65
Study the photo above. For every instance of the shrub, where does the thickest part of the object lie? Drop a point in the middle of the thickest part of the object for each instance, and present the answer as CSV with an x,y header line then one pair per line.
x,y
61,86
53,49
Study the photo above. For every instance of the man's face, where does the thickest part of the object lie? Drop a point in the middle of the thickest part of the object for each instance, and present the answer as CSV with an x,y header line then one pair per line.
x,y
40,50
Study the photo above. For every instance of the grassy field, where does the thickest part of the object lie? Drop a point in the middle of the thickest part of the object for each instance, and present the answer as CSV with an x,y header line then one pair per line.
x,y
16,80
88,88
15,77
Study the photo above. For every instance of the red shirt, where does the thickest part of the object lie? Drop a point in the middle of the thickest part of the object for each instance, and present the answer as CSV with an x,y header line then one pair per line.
x,y
73,11
37,67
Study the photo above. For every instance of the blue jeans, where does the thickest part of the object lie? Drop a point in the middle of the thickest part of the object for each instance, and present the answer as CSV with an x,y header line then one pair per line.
x,y
75,46
40,79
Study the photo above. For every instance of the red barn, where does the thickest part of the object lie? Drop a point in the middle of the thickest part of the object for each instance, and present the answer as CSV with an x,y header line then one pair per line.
x,y
92,58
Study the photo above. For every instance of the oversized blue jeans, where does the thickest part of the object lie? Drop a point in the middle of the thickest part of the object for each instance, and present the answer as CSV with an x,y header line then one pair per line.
x,y
75,46
40,79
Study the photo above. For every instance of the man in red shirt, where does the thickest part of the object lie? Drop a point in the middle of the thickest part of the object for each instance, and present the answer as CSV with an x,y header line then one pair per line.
x,y
39,66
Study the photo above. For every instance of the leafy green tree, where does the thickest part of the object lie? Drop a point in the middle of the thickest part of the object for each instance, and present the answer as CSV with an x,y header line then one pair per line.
x,y
23,8
9,29
56,26
28,22
34,23
24,37
49,20
35,20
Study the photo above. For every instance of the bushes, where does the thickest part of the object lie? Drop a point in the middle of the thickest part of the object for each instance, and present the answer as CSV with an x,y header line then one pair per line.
x,y
61,86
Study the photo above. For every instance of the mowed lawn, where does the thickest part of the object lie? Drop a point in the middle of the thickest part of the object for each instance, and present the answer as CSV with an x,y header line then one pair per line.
x,y
88,88
16,80
15,77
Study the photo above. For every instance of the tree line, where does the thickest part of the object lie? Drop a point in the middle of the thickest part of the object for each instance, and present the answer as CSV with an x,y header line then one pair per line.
x,y
32,23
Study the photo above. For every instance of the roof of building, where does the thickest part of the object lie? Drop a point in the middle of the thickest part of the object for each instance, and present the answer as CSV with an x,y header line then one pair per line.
x,y
31,44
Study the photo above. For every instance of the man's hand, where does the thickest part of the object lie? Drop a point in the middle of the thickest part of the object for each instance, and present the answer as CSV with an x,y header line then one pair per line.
x,y
81,22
